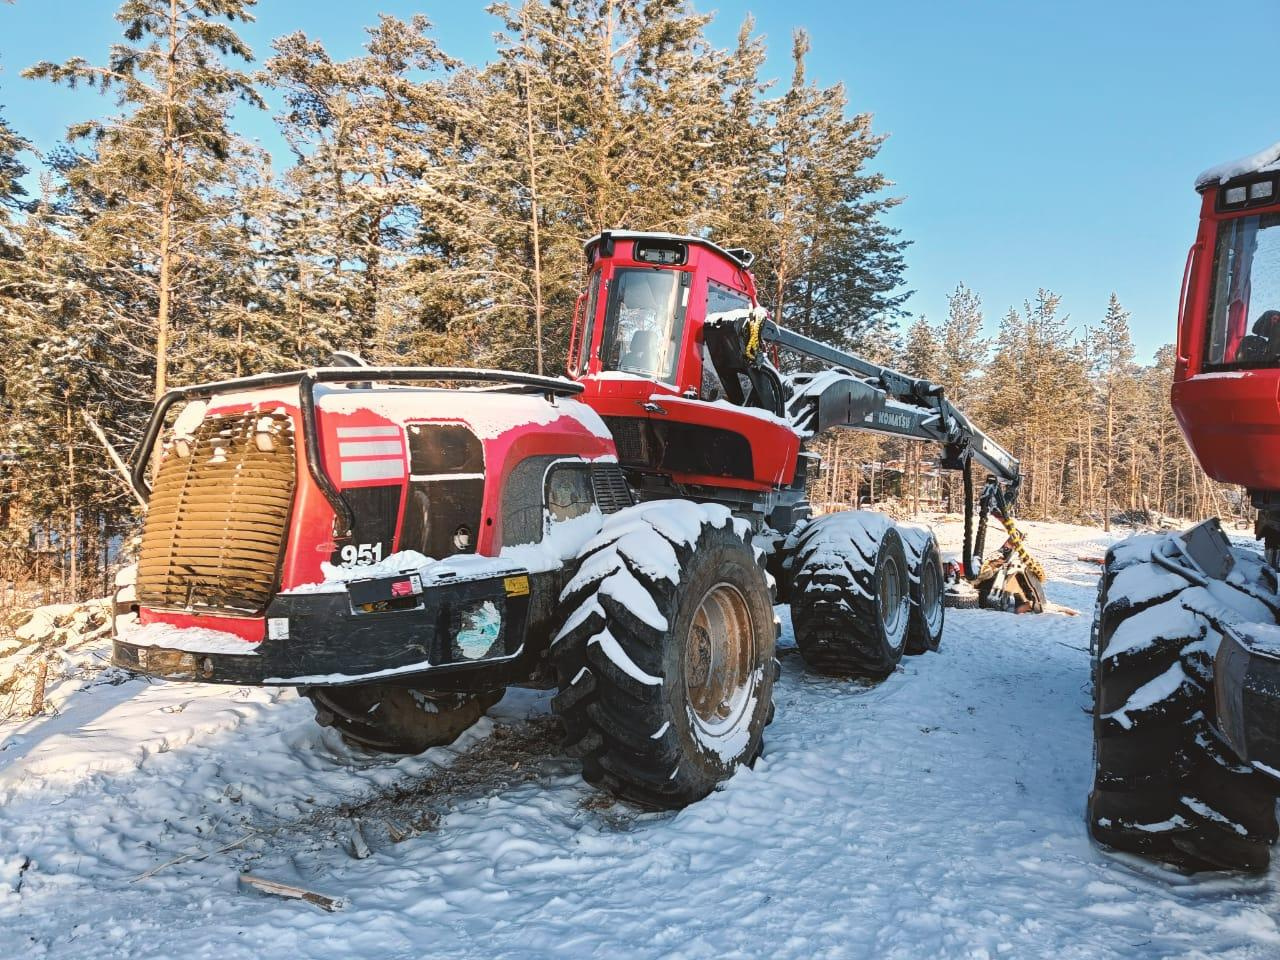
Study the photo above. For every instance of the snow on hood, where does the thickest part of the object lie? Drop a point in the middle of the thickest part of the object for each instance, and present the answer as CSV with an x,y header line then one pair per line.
x,y
188,639
1264,161
456,568
489,413
560,542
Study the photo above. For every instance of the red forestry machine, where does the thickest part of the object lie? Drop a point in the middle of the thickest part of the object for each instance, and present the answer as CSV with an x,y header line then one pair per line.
x,y
402,543
1186,647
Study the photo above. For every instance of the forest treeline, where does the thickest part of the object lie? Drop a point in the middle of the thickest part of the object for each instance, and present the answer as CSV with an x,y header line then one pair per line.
x,y
431,211
1091,425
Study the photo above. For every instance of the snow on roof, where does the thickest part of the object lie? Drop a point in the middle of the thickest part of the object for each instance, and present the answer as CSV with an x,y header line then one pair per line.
x,y
657,235
1264,161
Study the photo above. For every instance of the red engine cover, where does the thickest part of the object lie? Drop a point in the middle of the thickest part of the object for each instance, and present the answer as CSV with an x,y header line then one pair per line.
x,y
1232,422
1229,411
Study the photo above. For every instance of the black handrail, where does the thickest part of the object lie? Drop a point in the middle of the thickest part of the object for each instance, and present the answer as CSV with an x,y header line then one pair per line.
x,y
306,381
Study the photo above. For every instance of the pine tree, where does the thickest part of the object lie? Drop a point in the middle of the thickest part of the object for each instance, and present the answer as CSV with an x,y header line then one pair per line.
x,y
156,170
736,149
582,111
921,357
922,353
1114,375
963,347
1033,383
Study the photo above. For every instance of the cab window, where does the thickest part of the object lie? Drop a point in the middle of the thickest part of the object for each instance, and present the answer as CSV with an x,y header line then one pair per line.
x,y
644,321
722,299
1244,305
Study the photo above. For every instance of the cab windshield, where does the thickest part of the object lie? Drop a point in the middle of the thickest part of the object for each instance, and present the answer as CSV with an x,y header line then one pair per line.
x,y
644,321
1244,306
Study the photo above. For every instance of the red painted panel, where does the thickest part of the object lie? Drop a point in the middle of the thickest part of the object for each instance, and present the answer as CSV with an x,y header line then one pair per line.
x,y
1232,422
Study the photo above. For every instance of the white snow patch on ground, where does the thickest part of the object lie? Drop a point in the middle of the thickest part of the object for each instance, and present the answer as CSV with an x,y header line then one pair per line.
x,y
938,814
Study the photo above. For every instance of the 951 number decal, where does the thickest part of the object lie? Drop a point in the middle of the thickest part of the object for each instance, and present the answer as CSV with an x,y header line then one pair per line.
x,y
360,554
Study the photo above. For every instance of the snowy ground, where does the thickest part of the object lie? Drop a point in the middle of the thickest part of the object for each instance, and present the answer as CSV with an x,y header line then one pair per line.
x,y
938,814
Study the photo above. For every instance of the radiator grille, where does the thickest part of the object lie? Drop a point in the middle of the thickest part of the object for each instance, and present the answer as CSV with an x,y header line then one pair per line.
x,y
215,527
610,487
628,438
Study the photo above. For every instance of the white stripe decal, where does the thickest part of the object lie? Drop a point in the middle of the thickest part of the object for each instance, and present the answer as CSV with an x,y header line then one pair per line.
x,y
348,432
372,470
375,448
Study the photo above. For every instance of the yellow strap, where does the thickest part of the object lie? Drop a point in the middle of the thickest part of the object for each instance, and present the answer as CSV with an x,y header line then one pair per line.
x,y
753,339
1015,537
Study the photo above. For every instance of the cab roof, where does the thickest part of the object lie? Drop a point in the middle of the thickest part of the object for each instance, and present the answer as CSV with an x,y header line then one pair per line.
x,y
1264,161
742,257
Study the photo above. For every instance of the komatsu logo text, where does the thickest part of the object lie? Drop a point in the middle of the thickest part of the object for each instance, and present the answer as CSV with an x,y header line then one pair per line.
x,y
884,418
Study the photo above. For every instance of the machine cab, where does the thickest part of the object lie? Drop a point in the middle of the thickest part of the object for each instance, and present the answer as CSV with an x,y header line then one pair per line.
x,y
659,345
1227,372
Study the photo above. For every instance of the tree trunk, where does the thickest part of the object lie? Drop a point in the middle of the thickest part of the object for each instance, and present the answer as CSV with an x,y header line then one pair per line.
x,y
72,540
533,211
168,191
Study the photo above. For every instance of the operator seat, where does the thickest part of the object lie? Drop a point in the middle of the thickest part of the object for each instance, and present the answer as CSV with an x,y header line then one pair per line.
x,y
641,352
1263,346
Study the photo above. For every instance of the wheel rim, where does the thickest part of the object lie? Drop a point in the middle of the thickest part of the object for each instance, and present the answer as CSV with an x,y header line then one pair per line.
x,y
719,655
931,596
890,596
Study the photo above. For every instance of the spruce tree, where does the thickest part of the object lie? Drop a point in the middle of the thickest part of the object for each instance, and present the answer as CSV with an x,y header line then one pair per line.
x,y
375,193
13,201
13,195
831,267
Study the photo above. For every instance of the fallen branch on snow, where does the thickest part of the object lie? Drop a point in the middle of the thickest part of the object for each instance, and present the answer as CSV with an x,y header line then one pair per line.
x,y
277,889
195,856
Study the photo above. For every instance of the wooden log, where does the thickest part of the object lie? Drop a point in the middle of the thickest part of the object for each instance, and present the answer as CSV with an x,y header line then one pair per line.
x,y
287,891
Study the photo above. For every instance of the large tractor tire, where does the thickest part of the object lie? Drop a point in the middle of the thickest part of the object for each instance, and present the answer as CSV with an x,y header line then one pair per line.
x,y
391,719
1165,785
850,594
665,653
924,569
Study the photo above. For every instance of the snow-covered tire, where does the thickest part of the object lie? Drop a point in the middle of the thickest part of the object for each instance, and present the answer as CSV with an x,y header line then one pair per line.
x,y
1164,783
665,653
391,719
958,601
850,595
924,567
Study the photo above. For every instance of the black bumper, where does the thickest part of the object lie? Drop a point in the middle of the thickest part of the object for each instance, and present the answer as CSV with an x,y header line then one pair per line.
x,y
1246,686
465,635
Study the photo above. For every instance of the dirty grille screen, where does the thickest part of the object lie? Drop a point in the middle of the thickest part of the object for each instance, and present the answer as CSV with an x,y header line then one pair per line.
x,y
610,487
628,437
215,525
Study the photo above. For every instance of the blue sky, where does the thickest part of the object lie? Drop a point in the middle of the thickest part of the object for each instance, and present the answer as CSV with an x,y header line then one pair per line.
x,y
1037,144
